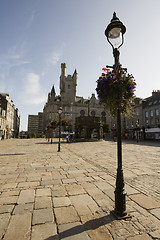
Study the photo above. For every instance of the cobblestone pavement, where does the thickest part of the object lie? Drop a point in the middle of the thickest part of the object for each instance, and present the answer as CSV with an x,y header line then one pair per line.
x,y
69,195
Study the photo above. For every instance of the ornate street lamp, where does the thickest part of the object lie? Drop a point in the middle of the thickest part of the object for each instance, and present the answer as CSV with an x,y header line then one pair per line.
x,y
114,33
59,114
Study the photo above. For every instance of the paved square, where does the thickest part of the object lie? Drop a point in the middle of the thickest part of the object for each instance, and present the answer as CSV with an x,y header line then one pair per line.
x,y
45,194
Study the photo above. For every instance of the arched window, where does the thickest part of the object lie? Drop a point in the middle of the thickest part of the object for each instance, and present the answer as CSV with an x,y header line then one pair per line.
x,y
82,113
103,114
93,113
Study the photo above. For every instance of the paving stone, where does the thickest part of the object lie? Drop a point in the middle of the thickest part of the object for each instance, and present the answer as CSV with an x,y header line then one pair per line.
x,y
155,234
84,179
103,185
143,236
74,189
156,212
8,200
43,202
28,184
92,189
34,179
50,182
145,201
4,220
66,215
44,231
46,177
43,192
69,180
61,202
19,227
9,186
72,231
97,178
6,208
130,190
110,194
26,196
59,191
76,171
59,177
84,204
23,208
20,180
42,216
10,193
102,200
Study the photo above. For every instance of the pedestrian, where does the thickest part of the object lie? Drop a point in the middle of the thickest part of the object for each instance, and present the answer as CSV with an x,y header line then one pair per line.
x,y
67,137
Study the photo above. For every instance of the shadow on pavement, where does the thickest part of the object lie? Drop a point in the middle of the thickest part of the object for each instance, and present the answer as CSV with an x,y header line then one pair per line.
x,y
143,143
140,142
12,154
90,225
52,142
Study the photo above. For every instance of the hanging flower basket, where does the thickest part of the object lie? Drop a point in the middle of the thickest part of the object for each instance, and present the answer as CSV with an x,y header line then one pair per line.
x,y
54,123
116,91
137,128
65,122
49,126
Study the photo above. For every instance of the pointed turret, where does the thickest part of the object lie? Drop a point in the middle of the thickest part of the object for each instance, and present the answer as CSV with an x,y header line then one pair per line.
x,y
53,91
75,76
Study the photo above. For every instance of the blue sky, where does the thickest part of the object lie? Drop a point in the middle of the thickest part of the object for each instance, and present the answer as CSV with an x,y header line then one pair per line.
x,y
36,36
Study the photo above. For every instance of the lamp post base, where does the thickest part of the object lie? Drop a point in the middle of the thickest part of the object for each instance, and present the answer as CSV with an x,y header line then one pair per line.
x,y
120,195
120,204
59,147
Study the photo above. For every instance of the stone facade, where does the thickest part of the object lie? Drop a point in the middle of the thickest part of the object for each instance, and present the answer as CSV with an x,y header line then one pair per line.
x,y
146,116
72,105
9,117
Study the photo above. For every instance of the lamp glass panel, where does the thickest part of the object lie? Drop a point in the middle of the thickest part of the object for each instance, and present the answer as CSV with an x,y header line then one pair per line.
x,y
115,37
59,111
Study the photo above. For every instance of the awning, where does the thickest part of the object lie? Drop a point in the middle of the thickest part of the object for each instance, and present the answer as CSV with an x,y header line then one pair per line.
x,y
152,130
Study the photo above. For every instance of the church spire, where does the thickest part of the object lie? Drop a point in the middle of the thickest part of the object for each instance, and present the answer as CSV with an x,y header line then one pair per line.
x,y
53,90
75,72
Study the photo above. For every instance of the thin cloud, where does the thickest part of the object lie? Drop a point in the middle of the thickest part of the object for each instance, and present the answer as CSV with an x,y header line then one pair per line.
x,y
31,19
53,58
33,93
14,57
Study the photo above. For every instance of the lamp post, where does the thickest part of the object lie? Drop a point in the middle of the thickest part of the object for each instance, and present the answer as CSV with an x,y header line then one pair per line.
x,y
59,114
114,33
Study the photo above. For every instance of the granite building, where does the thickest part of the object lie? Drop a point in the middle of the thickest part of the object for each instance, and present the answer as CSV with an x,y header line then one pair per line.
x,y
72,105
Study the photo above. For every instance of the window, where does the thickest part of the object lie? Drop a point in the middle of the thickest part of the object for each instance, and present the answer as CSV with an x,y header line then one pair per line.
x,y
151,113
146,114
68,109
69,86
157,112
152,122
